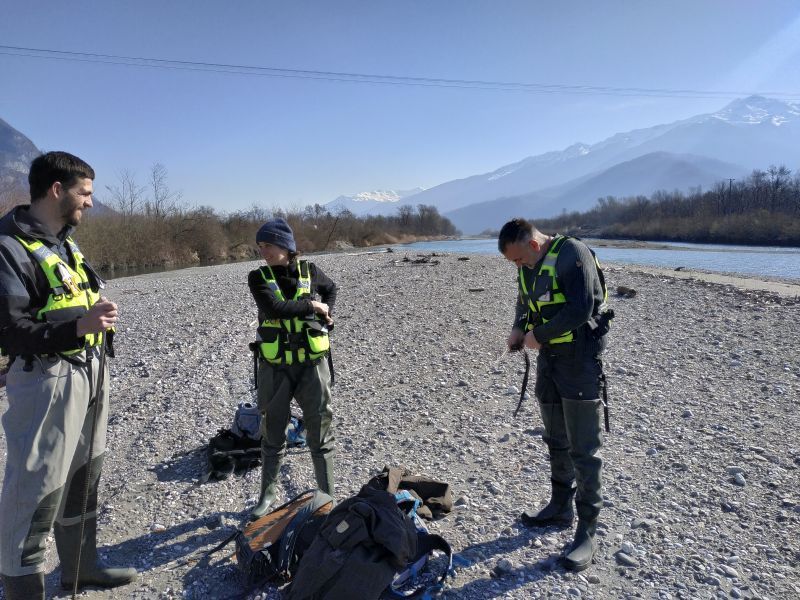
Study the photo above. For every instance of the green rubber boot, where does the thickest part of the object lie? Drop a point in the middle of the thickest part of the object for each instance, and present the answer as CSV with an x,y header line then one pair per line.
x,y
25,587
323,472
92,572
270,467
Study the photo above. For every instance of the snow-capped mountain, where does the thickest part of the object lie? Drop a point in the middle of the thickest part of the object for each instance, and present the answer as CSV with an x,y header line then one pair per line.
x,y
748,133
756,110
378,202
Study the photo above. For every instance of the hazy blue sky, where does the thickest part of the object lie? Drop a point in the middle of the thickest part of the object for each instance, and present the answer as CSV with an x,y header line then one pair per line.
x,y
231,140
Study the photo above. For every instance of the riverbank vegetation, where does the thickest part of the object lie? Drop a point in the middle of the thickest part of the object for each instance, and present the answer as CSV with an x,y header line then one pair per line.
x,y
763,209
147,225
189,236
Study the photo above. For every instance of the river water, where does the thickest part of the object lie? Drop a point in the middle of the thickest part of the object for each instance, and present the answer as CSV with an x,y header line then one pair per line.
x,y
744,260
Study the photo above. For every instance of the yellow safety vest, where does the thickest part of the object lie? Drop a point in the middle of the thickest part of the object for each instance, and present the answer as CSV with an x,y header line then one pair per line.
x,y
71,293
544,308
288,341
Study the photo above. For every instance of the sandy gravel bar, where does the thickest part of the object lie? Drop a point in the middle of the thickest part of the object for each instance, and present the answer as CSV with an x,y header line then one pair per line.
x,y
701,478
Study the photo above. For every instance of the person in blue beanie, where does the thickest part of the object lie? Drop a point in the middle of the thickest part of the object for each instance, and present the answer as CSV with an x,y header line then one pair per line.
x,y
295,301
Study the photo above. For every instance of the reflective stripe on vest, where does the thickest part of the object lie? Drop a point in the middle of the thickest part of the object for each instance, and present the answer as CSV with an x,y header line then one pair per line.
x,y
65,302
555,295
288,341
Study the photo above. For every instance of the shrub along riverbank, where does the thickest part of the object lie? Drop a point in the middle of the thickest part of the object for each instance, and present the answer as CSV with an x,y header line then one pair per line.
x,y
763,210
115,241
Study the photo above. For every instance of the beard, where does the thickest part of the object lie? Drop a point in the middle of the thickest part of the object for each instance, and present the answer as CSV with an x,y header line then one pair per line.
x,y
70,212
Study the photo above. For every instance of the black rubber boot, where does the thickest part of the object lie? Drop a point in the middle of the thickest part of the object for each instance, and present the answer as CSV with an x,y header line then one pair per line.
x,y
24,587
557,512
270,467
580,553
323,472
562,475
92,572
583,419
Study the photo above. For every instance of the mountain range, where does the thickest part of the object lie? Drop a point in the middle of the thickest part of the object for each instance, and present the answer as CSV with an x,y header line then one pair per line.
x,y
748,133
16,154
379,202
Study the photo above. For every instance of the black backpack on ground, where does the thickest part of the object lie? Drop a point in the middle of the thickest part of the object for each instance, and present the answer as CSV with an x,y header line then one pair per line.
x,y
228,453
359,550
269,548
238,449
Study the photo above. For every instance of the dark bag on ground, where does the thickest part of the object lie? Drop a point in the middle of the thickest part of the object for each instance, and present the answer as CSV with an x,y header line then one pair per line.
x,y
360,549
238,449
268,549
420,579
228,453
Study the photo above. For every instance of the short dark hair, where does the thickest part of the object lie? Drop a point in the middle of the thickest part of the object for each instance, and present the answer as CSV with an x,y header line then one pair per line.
x,y
56,166
516,230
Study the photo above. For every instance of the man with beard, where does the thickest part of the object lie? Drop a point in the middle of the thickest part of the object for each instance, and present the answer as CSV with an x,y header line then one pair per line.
x,y
53,322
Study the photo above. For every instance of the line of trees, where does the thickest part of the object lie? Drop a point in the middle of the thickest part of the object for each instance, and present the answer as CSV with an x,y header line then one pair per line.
x,y
145,225
763,209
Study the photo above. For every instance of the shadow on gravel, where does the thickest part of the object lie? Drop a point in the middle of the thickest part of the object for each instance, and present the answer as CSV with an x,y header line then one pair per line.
x,y
176,548
154,550
190,465
504,581
186,466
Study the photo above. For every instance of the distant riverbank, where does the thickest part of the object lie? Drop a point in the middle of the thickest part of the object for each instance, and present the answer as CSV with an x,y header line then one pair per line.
x,y
768,262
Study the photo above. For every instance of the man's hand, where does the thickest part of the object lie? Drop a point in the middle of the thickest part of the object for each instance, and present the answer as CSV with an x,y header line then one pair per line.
x,y
322,310
101,316
531,341
515,340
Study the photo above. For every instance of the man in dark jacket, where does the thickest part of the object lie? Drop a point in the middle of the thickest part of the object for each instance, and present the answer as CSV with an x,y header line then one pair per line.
x,y
52,324
562,313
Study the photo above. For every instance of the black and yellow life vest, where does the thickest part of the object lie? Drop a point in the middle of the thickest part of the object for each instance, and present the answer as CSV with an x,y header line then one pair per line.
x,y
71,294
549,297
290,341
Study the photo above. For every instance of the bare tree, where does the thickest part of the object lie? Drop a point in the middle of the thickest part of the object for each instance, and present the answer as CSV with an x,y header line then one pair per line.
x,y
405,213
127,196
164,201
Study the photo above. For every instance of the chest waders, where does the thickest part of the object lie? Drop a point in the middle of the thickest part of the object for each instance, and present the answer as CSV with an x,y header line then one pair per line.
x,y
573,429
289,343
73,291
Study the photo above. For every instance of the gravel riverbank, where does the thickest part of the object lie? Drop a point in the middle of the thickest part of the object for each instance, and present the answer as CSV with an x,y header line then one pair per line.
x,y
701,475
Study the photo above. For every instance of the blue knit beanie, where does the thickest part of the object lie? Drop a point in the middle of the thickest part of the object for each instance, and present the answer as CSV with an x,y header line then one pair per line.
x,y
277,232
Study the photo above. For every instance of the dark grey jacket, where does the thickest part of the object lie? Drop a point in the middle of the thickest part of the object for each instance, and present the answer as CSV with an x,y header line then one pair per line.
x,y
577,276
24,289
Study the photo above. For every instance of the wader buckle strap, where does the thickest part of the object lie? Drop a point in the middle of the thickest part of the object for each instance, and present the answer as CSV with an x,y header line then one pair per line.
x,y
604,383
524,381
